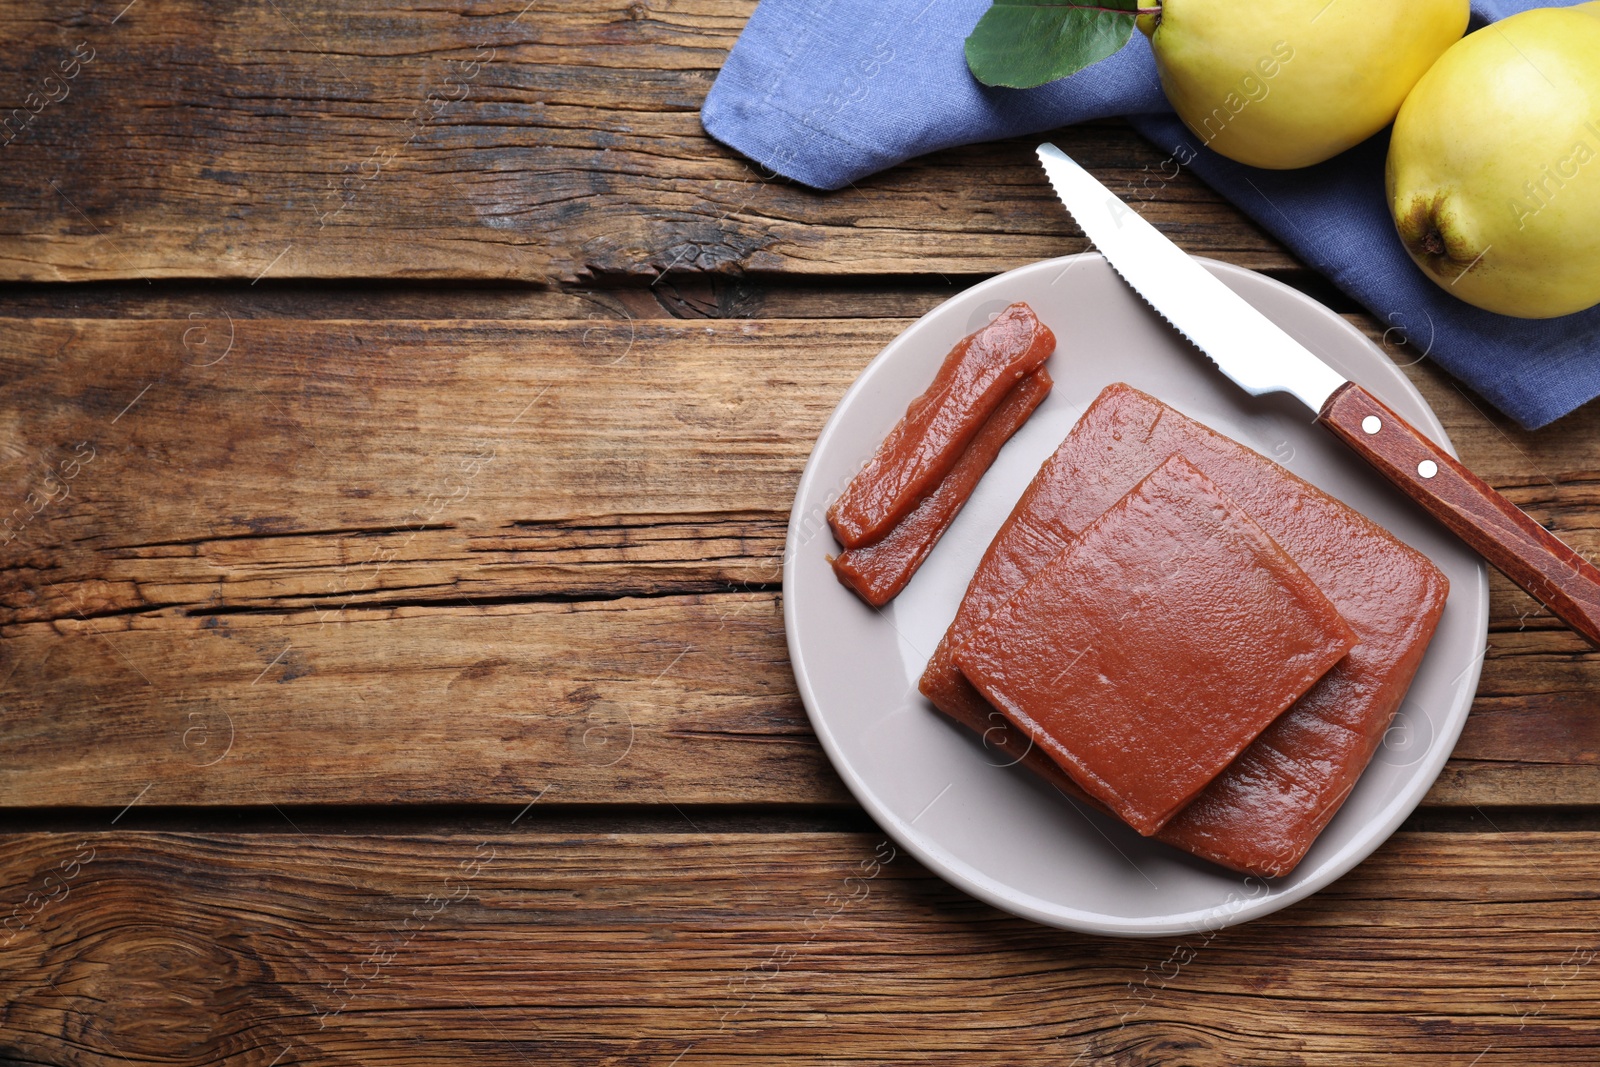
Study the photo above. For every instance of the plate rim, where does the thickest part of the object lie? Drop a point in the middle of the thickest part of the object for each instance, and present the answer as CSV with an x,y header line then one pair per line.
x,y
955,871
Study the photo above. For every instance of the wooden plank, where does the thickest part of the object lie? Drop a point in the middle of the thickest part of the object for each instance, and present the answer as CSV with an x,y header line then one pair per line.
x,y
485,139
604,702
511,948
684,700
303,428
328,469
488,492
272,463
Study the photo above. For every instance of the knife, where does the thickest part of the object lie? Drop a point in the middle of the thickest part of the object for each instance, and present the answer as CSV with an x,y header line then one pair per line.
x,y
1261,358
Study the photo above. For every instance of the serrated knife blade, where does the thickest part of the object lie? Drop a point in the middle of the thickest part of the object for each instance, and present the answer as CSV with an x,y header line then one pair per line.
x,y
1253,351
1247,346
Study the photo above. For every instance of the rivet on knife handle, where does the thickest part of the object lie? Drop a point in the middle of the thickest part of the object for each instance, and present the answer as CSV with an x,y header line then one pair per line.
x,y
1528,554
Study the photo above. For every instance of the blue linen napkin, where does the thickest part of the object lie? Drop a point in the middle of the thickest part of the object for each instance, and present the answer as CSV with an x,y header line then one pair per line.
x,y
827,91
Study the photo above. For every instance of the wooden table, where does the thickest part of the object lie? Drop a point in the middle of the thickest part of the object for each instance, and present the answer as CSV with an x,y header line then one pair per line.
x,y
400,412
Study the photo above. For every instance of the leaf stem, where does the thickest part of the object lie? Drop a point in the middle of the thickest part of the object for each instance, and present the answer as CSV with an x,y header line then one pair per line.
x,y
1076,6
1109,10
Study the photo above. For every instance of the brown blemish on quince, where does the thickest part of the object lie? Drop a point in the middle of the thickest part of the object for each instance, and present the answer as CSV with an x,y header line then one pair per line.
x,y
1423,228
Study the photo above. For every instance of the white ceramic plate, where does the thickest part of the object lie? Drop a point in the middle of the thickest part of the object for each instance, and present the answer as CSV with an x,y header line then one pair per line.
x,y
997,831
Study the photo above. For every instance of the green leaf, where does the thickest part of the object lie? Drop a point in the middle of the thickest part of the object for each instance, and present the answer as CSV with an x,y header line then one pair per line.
x,y
1023,43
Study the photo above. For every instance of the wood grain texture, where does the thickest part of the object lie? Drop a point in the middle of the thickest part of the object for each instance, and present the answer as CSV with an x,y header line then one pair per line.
x,y
484,139
627,701
283,463
498,520
517,948
332,428
494,493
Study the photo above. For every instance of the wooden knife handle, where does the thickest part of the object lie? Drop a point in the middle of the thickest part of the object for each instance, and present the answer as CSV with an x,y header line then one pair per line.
x,y
1497,529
